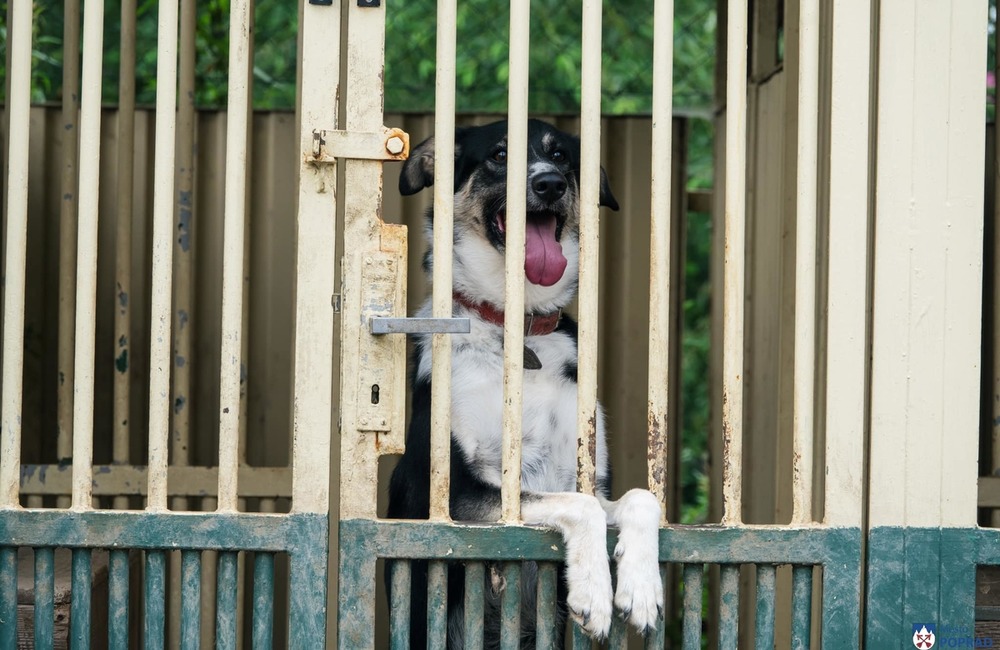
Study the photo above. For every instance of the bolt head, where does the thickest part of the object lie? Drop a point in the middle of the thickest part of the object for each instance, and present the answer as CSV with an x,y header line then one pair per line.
x,y
394,145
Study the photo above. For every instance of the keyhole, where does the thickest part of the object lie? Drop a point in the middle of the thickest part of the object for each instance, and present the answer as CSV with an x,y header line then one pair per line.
x,y
374,393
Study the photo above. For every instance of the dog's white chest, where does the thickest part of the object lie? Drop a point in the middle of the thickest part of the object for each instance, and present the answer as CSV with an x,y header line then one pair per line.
x,y
548,448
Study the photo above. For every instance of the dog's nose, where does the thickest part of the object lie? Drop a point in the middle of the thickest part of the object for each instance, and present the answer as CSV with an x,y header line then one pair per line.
x,y
549,186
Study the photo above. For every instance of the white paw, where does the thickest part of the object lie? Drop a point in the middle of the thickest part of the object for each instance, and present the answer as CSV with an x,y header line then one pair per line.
x,y
589,599
588,571
639,593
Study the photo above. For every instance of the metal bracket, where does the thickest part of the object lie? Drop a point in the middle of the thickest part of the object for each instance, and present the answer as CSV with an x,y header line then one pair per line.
x,y
386,144
381,325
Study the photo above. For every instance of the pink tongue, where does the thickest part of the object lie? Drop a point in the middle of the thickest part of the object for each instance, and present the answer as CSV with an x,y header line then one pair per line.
x,y
544,262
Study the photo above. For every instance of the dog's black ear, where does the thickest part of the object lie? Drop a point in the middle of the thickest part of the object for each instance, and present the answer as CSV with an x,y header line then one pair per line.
x,y
607,198
418,170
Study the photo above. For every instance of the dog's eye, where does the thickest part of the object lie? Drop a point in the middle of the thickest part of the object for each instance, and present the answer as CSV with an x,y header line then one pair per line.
x,y
558,156
500,156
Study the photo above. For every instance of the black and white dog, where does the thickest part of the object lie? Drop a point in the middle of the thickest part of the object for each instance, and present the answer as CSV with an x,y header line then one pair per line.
x,y
549,444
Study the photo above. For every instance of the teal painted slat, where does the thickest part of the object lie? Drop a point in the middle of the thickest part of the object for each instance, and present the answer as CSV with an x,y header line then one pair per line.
x,y
885,582
580,639
118,570
729,610
655,638
225,607
510,608
307,561
356,584
153,614
44,596
149,530
545,626
693,589
764,624
958,579
618,636
190,600
802,587
263,601
841,623
475,579
437,604
399,608
80,599
922,579
8,597
682,544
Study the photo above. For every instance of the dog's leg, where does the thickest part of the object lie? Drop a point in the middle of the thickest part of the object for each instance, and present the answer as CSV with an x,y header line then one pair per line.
x,y
639,592
583,524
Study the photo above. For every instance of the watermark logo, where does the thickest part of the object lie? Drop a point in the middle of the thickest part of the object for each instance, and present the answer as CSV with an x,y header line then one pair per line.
x,y
923,635
931,635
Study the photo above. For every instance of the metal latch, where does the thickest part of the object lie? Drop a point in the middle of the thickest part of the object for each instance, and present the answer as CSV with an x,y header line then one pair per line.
x,y
382,325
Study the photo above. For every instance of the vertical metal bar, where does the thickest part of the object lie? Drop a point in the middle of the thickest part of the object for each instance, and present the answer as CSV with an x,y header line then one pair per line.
x,y
80,599
510,607
580,639
444,200
399,609
314,266
764,628
545,623
437,604
263,600
729,610
44,596
118,596
513,332
233,241
163,194
693,581
8,597
804,391
618,635
656,638
86,256
802,587
190,610
475,580
17,229
994,391
67,232
154,613
120,426
659,251
590,184
734,262
225,609
182,245
209,564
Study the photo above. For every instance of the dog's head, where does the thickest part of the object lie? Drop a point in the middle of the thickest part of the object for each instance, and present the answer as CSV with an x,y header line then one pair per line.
x,y
553,210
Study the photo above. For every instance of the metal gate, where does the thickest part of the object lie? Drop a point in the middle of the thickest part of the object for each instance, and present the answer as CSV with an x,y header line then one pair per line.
x,y
129,550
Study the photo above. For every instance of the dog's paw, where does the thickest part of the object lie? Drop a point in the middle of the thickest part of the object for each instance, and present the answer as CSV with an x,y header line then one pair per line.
x,y
639,592
589,597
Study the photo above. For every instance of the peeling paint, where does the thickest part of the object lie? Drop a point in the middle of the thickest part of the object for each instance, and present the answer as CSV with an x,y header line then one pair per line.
x,y
182,318
179,403
121,363
180,361
122,341
122,297
184,220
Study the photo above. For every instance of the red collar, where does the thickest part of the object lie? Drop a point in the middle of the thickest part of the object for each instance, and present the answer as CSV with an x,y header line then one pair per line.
x,y
534,324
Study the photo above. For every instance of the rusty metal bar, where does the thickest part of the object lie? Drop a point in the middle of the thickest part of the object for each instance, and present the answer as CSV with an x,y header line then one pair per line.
x,y
659,252
444,201
233,253
513,333
804,377
163,170
68,211
120,425
18,102
734,263
590,183
86,257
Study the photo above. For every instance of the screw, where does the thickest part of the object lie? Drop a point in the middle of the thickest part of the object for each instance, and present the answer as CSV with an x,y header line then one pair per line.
x,y
394,145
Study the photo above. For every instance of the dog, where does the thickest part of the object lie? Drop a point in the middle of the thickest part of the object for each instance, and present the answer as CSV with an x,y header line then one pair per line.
x,y
549,440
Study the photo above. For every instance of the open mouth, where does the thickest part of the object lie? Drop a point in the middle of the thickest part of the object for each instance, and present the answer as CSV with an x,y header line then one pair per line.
x,y
544,262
